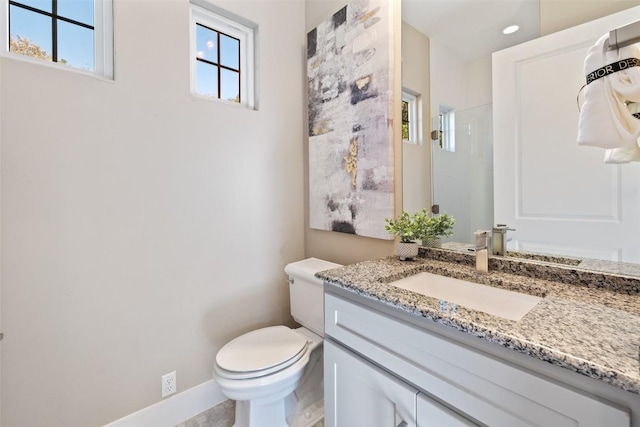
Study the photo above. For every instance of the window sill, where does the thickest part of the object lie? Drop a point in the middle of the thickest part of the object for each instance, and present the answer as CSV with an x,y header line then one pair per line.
x,y
223,102
55,66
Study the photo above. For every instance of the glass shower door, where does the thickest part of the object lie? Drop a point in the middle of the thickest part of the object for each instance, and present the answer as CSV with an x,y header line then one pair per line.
x,y
462,171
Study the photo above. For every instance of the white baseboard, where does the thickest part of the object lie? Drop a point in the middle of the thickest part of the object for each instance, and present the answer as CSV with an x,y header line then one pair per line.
x,y
175,409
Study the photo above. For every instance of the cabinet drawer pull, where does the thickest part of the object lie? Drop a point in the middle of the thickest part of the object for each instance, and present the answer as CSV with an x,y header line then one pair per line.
x,y
402,424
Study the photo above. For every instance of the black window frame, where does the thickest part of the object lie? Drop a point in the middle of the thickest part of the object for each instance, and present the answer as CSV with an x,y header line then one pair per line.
x,y
218,64
406,123
55,17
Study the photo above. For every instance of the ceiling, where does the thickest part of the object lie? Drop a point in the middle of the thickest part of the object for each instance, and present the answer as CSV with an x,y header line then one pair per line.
x,y
473,28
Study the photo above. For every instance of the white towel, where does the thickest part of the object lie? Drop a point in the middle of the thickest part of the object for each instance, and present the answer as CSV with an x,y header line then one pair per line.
x,y
627,154
605,120
622,155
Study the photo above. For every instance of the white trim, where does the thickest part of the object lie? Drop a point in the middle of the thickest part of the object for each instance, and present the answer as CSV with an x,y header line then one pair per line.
x,y
4,25
246,35
175,409
102,39
412,100
448,130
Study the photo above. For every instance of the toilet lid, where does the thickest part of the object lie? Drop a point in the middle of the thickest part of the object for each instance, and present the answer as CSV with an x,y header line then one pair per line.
x,y
261,350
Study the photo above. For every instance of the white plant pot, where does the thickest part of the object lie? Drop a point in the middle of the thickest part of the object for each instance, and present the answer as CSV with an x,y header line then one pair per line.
x,y
407,250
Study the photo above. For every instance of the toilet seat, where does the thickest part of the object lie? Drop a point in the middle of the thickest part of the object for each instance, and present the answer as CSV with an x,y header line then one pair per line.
x,y
260,352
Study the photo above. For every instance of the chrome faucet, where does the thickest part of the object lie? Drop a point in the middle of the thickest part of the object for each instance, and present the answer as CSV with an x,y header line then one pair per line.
x,y
483,242
498,237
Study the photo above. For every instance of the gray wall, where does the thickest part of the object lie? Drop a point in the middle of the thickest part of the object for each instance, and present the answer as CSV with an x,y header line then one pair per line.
x,y
416,159
142,228
556,15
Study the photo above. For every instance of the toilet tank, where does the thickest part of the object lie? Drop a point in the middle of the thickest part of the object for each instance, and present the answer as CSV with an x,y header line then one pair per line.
x,y
306,292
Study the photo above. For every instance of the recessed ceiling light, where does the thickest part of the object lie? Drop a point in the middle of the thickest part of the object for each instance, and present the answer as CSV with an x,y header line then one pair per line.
x,y
510,29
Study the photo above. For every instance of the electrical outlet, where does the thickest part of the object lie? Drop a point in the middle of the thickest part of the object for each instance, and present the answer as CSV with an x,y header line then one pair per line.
x,y
169,384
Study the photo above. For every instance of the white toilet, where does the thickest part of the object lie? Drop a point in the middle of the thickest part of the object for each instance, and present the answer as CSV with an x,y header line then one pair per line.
x,y
275,373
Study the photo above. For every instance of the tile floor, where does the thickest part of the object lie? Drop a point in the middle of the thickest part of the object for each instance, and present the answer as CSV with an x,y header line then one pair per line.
x,y
222,415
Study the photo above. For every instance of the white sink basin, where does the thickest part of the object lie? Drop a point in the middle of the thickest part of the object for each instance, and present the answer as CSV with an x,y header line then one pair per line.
x,y
495,301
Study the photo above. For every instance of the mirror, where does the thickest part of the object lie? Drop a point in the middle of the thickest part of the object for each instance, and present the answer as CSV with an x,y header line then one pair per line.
x,y
460,98
458,95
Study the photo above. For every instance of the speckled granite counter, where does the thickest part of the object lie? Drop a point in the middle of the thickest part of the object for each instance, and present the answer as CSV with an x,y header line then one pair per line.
x,y
587,322
583,264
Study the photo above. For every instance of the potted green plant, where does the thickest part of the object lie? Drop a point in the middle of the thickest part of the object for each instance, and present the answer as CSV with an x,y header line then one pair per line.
x,y
407,228
432,228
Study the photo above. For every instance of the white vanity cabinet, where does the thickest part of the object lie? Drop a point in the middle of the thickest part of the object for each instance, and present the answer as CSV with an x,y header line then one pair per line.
x,y
381,371
362,394
432,414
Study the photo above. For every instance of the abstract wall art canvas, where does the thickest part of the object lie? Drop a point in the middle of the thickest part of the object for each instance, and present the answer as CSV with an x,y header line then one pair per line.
x,y
349,66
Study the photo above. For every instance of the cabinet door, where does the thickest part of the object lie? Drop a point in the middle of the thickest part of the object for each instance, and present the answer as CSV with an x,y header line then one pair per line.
x,y
432,414
358,393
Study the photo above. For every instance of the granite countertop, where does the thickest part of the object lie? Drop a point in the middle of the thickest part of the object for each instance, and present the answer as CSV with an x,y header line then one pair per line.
x,y
587,322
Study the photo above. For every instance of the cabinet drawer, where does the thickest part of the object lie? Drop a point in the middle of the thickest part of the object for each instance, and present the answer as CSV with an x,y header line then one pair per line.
x,y
477,385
